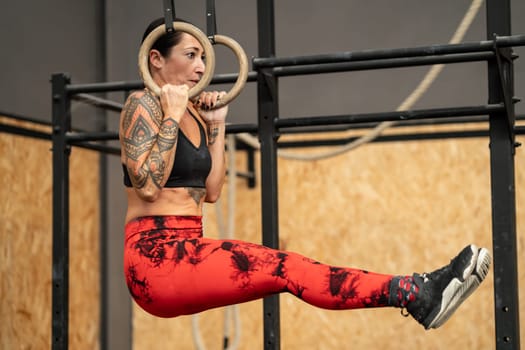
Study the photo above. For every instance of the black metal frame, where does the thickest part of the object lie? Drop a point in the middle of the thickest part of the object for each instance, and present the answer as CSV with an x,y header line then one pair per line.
x,y
268,112
60,256
501,131
501,140
502,144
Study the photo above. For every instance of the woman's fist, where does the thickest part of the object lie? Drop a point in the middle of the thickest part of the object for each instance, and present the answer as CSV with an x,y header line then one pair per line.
x,y
206,101
174,100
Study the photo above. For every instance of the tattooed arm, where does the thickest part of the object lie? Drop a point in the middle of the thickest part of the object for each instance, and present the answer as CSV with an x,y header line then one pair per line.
x,y
216,125
149,137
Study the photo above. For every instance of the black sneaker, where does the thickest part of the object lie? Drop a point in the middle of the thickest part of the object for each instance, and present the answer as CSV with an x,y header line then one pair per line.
x,y
441,292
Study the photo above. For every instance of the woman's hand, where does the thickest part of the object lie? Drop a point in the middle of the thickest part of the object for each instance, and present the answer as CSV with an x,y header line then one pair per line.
x,y
215,121
174,100
207,100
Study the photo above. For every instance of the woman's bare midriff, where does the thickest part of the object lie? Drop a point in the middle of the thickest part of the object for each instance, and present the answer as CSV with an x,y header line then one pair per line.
x,y
171,201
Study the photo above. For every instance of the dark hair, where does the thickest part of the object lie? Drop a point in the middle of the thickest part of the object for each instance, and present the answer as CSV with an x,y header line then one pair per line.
x,y
166,41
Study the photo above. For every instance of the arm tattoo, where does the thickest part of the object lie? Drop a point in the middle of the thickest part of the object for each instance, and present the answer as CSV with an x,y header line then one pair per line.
x,y
153,105
141,178
213,132
197,194
142,127
138,131
156,166
168,134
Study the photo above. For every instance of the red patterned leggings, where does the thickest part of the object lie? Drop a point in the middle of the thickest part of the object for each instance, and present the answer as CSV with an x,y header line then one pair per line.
x,y
172,270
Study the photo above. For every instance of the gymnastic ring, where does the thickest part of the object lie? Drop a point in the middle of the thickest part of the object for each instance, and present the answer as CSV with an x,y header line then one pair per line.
x,y
243,69
187,28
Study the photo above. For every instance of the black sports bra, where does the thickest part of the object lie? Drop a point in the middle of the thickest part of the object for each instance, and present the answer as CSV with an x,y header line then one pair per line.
x,y
191,165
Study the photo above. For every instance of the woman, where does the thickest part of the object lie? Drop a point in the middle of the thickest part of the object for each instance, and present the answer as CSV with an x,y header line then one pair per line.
x,y
173,160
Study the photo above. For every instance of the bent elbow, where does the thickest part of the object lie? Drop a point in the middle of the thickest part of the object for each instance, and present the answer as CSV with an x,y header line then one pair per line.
x,y
148,194
212,197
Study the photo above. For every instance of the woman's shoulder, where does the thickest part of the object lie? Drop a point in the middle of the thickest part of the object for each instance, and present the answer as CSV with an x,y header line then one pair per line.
x,y
143,98
143,94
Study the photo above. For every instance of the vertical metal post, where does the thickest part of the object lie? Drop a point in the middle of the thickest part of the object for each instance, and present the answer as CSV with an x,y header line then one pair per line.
x,y
60,269
103,246
101,125
503,186
267,95
250,154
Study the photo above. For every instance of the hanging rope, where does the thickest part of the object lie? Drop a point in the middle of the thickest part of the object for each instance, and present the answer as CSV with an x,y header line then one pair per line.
x,y
231,314
423,86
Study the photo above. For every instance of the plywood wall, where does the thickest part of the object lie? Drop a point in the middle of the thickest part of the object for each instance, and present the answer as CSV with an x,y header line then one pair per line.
x,y
26,243
391,207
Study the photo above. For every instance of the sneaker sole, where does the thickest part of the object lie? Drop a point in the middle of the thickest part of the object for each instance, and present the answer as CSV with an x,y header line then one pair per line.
x,y
459,290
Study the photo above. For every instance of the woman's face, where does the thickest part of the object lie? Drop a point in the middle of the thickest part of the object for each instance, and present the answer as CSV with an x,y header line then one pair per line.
x,y
184,63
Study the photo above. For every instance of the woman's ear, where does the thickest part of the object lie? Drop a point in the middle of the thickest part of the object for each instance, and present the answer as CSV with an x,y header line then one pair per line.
x,y
155,58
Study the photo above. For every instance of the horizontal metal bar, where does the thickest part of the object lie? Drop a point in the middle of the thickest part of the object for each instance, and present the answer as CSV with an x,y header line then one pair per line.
x,y
374,54
387,138
138,84
14,116
99,102
24,118
15,130
400,116
519,130
105,87
232,78
391,116
238,128
420,122
75,137
515,40
99,148
380,64
436,135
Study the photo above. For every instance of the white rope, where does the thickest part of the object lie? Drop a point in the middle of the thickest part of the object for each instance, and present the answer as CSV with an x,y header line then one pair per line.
x,y
231,313
195,333
423,86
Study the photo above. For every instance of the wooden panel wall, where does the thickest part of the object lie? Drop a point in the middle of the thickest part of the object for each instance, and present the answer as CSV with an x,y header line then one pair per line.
x,y
26,243
392,208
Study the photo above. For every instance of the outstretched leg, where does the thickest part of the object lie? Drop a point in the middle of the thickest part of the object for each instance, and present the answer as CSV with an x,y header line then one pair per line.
x,y
172,272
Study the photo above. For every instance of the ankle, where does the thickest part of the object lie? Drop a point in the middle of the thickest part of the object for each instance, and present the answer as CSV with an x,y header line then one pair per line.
x,y
403,290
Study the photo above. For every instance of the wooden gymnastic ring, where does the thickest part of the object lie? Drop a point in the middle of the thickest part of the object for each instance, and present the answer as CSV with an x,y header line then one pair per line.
x,y
243,69
187,28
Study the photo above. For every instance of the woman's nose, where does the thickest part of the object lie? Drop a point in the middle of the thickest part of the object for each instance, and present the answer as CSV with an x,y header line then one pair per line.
x,y
201,65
